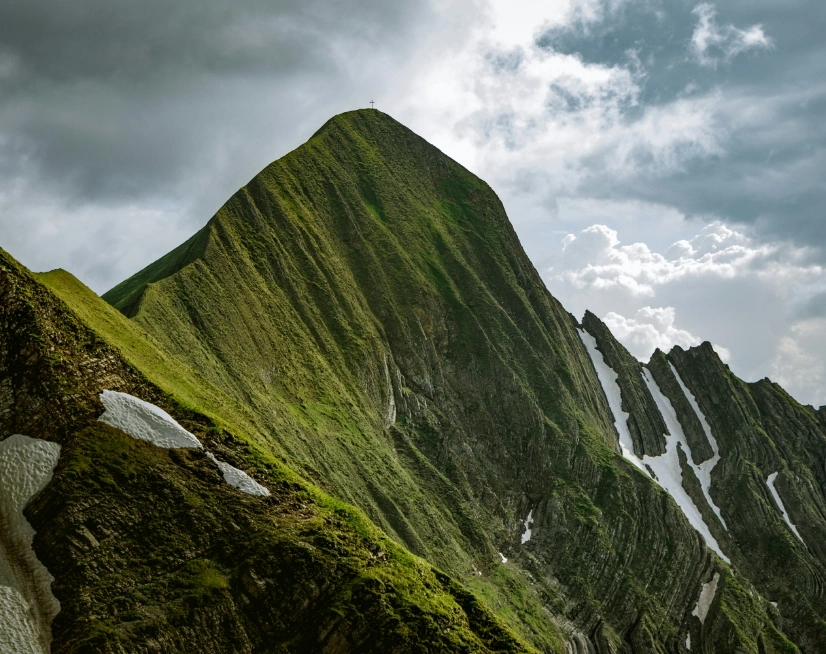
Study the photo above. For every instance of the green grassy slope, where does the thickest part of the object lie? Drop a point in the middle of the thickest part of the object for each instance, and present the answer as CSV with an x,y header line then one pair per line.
x,y
152,551
369,301
127,296
143,352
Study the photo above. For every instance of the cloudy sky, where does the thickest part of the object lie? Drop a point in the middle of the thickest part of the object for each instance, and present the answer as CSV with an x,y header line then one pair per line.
x,y
662,160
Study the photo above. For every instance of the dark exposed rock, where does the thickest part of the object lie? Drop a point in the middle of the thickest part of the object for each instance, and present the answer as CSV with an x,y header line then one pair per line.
x,y
664,376
761,430
644,420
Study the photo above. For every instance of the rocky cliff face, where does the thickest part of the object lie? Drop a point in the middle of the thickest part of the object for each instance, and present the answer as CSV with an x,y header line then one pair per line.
x,y
362,316
758,458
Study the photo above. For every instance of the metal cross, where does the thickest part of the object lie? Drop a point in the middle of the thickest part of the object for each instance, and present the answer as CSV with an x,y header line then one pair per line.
x,y
371,104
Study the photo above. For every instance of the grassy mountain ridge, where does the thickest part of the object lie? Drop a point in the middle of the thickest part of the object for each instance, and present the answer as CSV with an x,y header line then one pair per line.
x,y
152,552
359,326
127,296
368,299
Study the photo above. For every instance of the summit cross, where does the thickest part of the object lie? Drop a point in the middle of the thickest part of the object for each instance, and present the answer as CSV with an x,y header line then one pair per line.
x,y
371,104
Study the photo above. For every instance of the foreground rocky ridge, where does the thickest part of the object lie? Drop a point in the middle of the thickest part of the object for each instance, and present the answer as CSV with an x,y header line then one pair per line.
x,y
362,313
152,552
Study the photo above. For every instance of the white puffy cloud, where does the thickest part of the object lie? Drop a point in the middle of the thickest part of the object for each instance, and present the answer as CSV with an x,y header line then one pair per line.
x,y
653,328
532,119
753,300
594,258
649,329
712,43
798,364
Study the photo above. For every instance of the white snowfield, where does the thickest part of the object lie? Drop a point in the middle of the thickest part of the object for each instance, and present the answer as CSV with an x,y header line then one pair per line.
x,y
239,479
27,606
703,470
144,421
528,522
148,422
770,483
707,593
666,467
608,380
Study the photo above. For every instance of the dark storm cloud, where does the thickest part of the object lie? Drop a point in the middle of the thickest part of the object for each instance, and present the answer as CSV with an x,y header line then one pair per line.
x,y
772,105
121,40
125,125
114,98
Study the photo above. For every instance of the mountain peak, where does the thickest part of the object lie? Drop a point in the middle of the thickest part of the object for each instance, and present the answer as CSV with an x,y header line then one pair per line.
x,y
360,119
366,301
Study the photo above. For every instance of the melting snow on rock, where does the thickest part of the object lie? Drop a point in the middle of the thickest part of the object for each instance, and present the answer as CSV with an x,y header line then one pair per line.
x,y
528,522
608,380
702,470
502,556
707,593
144,421
27,606
148,422
666,467
239,479
770,483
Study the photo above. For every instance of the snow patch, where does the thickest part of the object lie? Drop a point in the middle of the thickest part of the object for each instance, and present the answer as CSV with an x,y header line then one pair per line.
x,y
18,631
144,421
503,557
770,483
528,522
608,380
664,469
667,466
390,413
239,479
707,593
27,606
703,470
148,422
688,642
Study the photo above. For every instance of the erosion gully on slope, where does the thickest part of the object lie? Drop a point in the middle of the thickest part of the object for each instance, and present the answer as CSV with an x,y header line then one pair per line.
x,y
664,469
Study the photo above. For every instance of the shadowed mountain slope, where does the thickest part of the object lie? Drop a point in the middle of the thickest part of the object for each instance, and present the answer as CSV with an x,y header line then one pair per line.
x,y
152,552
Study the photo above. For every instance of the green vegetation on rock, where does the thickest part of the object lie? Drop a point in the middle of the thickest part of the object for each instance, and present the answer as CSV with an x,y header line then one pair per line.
x,y
359,327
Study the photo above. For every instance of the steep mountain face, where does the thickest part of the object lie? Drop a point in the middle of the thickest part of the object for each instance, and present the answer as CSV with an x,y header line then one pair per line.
x,y
361,318
147,549
756,488
367,297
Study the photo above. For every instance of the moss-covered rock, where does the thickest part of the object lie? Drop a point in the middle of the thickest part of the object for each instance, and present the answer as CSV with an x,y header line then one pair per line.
x,y
360,318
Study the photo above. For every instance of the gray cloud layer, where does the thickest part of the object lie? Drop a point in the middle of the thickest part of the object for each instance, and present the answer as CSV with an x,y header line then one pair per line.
x,y
117,114
772,112
114,99
124,126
